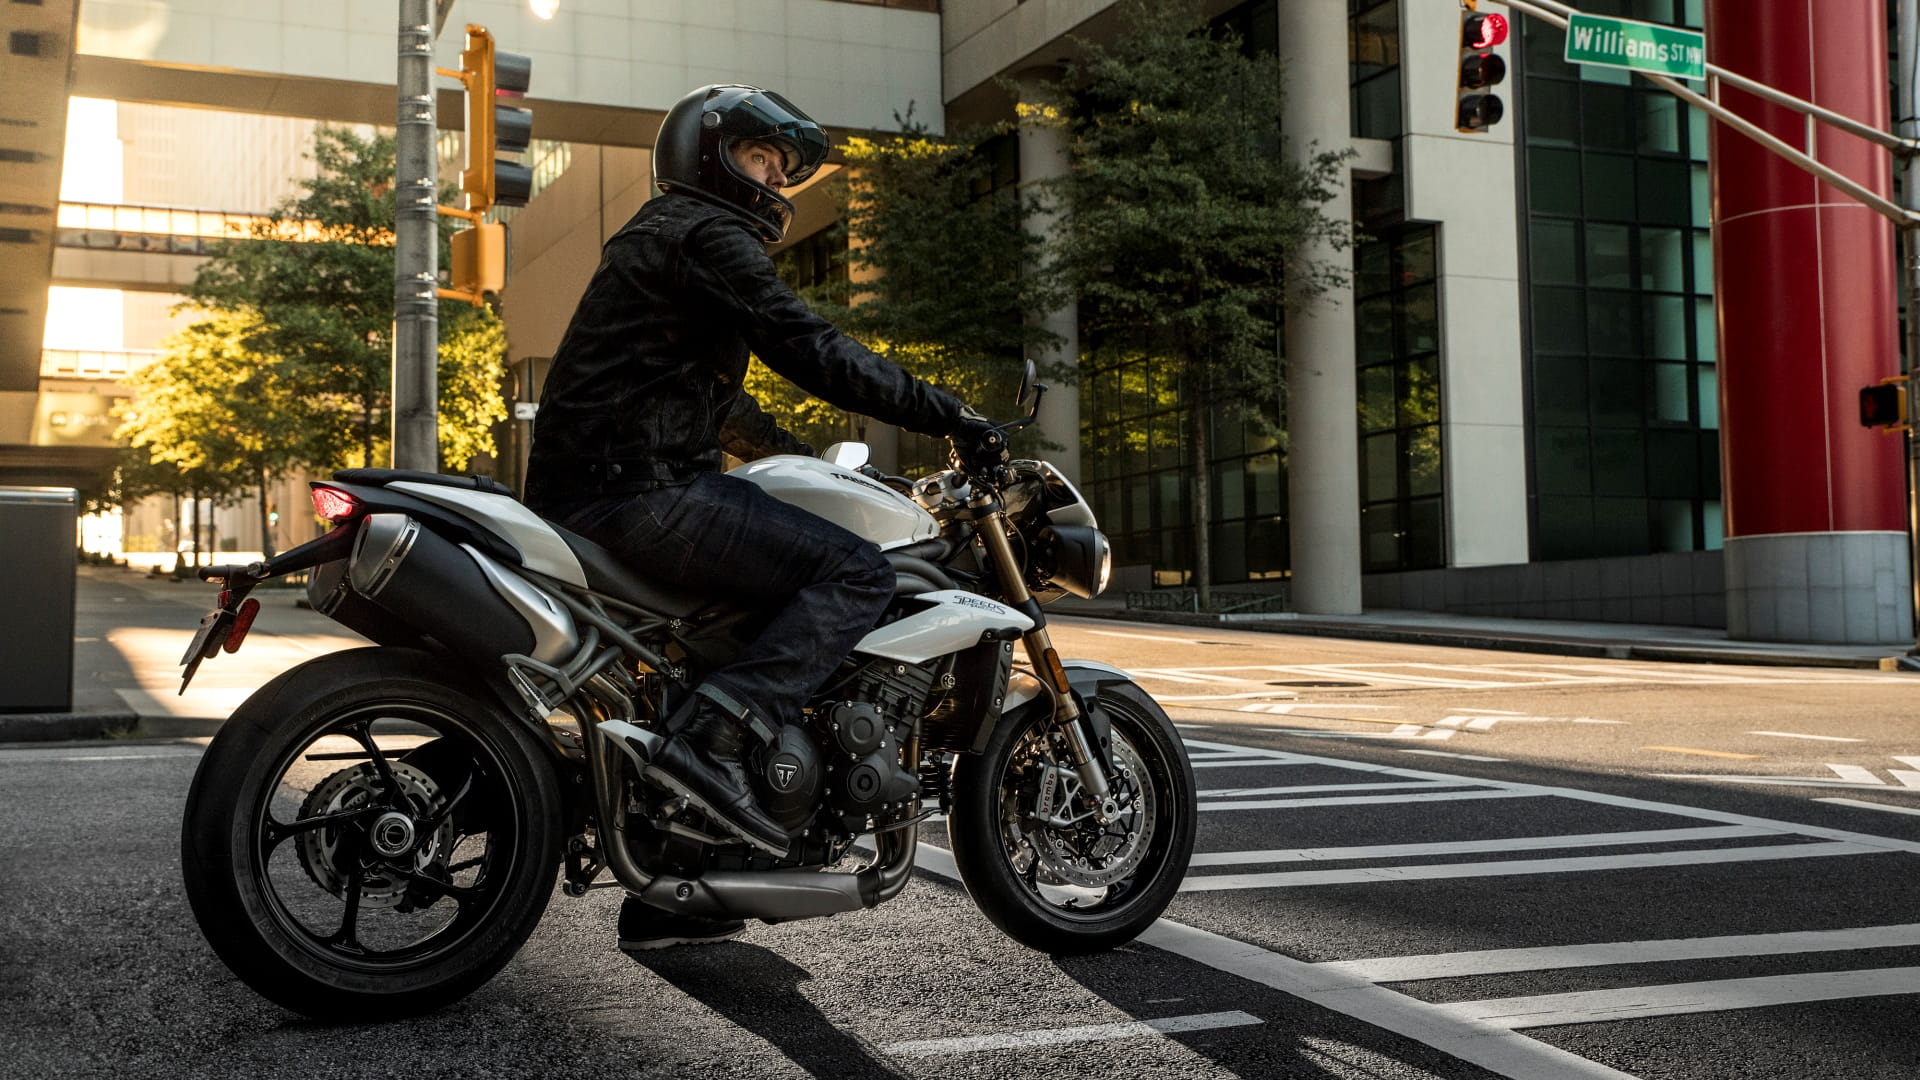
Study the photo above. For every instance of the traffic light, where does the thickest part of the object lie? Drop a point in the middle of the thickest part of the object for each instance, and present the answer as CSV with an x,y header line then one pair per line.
x,y
1885,405
492,128
479,261
1480,70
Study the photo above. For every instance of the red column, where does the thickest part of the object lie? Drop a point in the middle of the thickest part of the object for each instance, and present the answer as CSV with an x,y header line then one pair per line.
x,y
1804,276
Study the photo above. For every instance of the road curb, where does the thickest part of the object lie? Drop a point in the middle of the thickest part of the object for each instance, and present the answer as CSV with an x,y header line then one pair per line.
x,y
110,725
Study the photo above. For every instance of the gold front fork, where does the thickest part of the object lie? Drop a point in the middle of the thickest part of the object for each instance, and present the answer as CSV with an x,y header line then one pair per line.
x,y
991,527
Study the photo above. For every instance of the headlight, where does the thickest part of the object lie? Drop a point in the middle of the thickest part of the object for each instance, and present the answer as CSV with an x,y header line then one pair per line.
x,y
1076,558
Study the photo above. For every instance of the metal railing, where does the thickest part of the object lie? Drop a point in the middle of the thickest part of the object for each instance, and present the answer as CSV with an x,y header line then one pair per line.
x,y
173,231
1221,601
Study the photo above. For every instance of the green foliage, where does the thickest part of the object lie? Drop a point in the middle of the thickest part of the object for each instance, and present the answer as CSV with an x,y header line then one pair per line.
x,y
1188,222
1190,226
941,278
216,415
325,305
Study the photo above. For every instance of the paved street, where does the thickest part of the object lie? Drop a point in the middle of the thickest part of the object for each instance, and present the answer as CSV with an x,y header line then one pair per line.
x,y
1413,862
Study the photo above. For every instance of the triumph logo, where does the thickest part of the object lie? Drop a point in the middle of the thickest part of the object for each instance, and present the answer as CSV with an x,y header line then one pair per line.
x,y
783,773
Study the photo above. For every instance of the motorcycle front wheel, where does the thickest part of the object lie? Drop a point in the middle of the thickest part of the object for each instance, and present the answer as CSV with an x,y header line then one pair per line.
x,y
1034,855
365,841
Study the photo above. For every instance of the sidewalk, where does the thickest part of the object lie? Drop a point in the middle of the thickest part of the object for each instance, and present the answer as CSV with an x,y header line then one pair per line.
x,y
130,629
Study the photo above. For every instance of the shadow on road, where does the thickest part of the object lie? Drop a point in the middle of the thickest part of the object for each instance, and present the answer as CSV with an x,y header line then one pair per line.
x,y
759,990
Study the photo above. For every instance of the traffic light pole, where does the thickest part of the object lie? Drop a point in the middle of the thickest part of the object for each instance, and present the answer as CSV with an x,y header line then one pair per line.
x,y
416,264
1906,118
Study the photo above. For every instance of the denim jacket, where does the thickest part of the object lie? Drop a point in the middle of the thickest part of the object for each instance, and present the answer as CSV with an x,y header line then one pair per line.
x,y
645,387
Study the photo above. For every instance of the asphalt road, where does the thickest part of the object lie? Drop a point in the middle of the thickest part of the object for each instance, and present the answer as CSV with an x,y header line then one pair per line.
x,y
1414,862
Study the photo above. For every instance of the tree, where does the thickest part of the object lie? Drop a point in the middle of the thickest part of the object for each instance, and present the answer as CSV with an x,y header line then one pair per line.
x,y
227,418
317,280
1185,218
941,276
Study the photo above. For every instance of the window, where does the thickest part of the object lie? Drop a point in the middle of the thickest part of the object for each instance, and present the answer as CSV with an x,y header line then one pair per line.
x,y
1396,314
1623,394
1373,68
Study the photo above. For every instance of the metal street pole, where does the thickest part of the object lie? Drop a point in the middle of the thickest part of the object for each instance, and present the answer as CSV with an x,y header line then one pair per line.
x,y
416,264
1907,125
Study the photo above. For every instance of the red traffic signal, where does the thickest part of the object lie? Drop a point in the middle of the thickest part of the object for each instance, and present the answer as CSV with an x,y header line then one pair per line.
x,y
1483,31
1478,69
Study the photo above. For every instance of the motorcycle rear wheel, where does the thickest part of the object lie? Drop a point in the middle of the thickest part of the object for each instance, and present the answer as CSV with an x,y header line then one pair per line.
x,y
364,841
1087,886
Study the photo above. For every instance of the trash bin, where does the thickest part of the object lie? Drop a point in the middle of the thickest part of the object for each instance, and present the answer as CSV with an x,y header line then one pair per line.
x,y
37,557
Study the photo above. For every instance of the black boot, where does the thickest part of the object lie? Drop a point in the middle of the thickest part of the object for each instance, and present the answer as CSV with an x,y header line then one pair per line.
x,y
702,761
644,928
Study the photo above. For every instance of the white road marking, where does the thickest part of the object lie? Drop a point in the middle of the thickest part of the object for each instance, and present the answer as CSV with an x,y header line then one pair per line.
x,y
1144,637
1231,761
1493,1047
1498,1048
1014,1040
1795,735
1607,953
1512,867
1184,675
1872,806
1478,847
1246,793
1486,1045
1369,800
1284,709
1592,1006
1443,753
1850,776
1486,723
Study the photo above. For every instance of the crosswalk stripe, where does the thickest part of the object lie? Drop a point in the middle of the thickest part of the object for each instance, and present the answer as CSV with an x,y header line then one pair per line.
x,y
1477,847
1060,1036
1366,800
1247,793
1592,1006
1603,954
1514,867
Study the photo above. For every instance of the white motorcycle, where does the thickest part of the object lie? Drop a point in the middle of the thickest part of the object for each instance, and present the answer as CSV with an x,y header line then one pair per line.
x,y
375,832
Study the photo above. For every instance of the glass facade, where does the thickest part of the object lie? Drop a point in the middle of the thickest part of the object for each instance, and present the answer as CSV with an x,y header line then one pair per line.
x,y
1620,320
1134,424
1397,350
1373,65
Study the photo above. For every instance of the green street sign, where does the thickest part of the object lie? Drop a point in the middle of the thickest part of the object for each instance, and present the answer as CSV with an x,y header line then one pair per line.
x,y
1637,46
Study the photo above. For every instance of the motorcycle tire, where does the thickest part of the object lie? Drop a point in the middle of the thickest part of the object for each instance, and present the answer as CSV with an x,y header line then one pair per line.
x,y
1079,888
347,875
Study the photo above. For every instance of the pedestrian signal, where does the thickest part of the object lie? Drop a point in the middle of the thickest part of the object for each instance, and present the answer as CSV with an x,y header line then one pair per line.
x,y
1884,405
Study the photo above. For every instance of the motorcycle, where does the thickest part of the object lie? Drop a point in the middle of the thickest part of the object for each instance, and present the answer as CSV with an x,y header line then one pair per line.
x,y
375,832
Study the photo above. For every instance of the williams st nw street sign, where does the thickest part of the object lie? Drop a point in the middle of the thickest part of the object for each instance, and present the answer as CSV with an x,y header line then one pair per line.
x,y
1637,46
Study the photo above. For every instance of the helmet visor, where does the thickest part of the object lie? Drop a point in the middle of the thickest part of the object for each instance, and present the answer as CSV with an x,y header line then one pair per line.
x,y
766,116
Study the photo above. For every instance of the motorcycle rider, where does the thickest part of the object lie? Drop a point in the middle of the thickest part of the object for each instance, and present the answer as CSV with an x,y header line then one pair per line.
x,y
644,394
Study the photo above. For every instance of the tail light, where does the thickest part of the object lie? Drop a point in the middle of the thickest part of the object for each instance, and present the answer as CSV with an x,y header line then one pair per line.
x,y
334,504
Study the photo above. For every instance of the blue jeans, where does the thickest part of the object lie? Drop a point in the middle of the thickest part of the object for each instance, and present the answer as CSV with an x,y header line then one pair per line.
x,y
726,538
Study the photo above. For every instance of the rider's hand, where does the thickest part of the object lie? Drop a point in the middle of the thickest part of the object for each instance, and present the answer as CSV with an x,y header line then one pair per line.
x,y
978,446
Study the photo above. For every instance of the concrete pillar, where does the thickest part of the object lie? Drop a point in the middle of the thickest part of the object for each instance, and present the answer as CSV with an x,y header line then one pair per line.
x,y
1044,157
1323,465
1805,282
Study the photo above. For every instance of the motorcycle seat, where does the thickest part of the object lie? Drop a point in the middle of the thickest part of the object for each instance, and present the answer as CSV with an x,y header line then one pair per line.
x,y
606,574
383,477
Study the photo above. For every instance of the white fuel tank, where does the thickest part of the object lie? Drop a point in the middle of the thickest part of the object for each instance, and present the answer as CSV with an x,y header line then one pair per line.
x,y
849,500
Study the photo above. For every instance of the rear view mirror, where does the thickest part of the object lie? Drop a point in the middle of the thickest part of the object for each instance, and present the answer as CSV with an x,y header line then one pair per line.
x,y
847,455
1024,399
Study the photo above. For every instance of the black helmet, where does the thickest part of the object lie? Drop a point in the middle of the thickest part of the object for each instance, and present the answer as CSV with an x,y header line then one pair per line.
x,y
693,154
